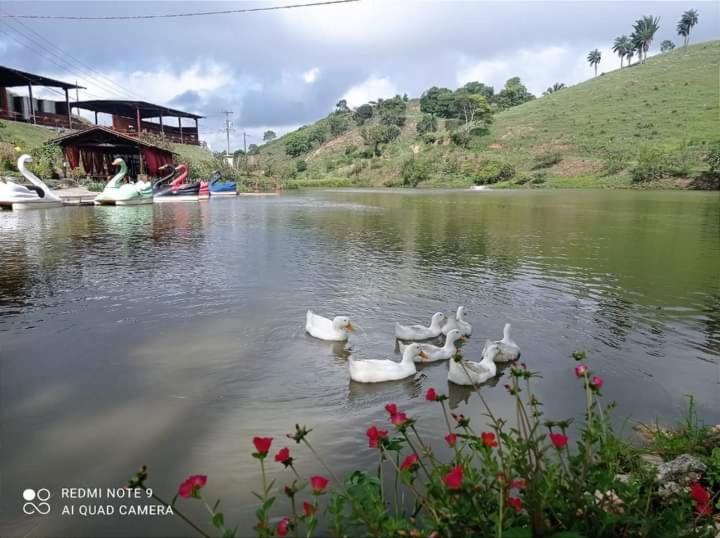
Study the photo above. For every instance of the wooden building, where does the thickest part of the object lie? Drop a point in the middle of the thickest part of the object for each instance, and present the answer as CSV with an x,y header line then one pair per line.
x,y
96,148
28,109
130,118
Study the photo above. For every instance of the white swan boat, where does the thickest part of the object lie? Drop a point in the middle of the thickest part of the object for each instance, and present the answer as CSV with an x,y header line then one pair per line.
x,y
36,196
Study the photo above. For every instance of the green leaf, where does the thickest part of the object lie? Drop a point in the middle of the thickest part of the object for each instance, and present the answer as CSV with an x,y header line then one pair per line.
x,y
567,534
517,532
218,520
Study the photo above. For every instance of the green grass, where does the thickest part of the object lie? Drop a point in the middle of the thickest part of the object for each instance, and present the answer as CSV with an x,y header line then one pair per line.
x,y
670,103
24,135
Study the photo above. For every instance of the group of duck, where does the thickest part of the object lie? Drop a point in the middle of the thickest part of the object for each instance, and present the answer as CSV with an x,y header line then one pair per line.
x,y
415,343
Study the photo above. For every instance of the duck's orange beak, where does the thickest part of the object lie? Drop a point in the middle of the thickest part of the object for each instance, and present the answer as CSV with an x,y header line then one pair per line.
x,y
349,327
423,355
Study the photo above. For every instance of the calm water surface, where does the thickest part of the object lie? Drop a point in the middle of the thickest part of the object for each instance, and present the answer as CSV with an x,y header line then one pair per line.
x,y
170,335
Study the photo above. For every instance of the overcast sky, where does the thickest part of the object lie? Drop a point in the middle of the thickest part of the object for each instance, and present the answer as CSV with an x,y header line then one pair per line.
x,y
281,69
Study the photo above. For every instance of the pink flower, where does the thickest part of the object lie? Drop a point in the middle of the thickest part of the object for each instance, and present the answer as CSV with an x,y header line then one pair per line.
x,y
515,503
558,440
282,527
581,370
431,395
191,485
410,463
283,456
262,444
391,408
488,439
451,439
318,484
374,435
398,419
308,509
454,479
596,382
518,483
701,498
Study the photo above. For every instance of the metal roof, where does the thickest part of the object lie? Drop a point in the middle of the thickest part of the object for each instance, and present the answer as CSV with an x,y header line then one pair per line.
x,y
129,109
10,78
103,137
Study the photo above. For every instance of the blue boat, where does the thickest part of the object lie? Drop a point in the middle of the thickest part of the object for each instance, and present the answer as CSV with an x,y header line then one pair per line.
x,y
218,187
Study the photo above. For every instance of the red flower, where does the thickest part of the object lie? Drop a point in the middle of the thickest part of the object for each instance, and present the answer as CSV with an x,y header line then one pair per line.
x,y
558,440
282,527
410,463
431,395
488,439
283,456
262,444
318,484
596,382
518,483
451,439
701,497
453,480
516,503
581,370
308,509
398,419
374,436
191,485
391,408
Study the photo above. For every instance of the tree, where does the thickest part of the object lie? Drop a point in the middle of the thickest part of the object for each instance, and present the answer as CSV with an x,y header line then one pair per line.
x,y
514,93
297,143
473,108
338,124
688,20
253,149
593,58
666,45
392,111
554,88
341,106
427,124
376,135
405,97
362,114
429,99
644,34
269,136
479,88
318,134
621,47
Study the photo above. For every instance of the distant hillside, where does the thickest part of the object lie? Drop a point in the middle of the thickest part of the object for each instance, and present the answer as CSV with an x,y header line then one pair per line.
x,y
649,121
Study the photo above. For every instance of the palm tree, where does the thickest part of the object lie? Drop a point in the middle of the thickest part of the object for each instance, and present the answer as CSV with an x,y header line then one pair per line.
x,y
554,88
593,58
621,47
644,33
687,21
630,53
666,45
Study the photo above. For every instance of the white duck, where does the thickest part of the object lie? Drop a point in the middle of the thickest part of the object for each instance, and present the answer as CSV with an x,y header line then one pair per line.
x,y
509,350
437,353
420,332
459,323
376,371
336,330
475,373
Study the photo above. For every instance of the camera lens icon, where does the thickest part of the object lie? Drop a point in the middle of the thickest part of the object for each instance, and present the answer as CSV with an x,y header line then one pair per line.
x,y
42,507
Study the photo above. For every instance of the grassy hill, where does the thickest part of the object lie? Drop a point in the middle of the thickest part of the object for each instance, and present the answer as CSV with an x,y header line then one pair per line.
x,y
592,134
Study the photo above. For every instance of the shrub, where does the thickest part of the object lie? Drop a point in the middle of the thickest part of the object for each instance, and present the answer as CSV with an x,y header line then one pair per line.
x,y
493,171
350,149
547,159
297,143
8,156
414,170
615,160
427,124
46,160
712,158
431,138
652,164
460,138
452,124
538,178
317,135
338,124
392,117
300,165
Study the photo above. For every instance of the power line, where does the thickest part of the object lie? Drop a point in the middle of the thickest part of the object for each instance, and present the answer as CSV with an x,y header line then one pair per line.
x,y
175,15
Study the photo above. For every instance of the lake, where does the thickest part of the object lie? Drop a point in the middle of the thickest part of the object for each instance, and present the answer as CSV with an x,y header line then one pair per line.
x,y
170,335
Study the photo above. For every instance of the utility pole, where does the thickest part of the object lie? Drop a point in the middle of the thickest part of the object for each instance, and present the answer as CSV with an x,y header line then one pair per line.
x,y
227,130
245,142
77,92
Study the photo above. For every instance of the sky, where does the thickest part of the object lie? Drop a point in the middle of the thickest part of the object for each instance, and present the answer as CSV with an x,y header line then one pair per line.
x,y
281,69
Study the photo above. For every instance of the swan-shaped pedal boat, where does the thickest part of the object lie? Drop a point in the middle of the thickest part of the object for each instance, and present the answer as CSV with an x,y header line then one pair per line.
x,y
118,193
167,189
459,323
420,332
438,353
36,196
509,350
204,190
334,330
377,371
475,373
220,187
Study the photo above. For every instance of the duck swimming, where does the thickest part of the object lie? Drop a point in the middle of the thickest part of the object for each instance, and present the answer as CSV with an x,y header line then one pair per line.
x,y
377,371
419,332
336,330
475,373
459,323
438,353
509,350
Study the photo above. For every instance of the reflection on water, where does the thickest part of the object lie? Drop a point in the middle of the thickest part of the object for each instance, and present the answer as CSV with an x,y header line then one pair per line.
x,y
171,334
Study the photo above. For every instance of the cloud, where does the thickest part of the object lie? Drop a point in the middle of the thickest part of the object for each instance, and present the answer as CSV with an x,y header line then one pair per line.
x,y
311,75
370,90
